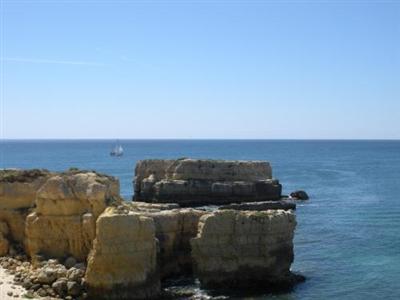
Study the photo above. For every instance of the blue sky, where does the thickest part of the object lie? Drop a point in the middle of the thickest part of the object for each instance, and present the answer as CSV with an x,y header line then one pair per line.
x,y
201,69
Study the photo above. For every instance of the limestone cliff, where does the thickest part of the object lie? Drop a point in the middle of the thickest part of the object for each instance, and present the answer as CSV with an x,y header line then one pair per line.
x,y
131,247
123,262
244,248
67,206
54,213
17,197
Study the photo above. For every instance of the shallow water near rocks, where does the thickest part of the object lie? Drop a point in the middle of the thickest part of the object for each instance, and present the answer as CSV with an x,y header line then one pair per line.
x,y
347,240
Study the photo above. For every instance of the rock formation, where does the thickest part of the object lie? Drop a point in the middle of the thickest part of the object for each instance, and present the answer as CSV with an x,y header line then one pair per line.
x,y
244,248
131,247
54,213
299,195
123,262
67,206
199,182
17,196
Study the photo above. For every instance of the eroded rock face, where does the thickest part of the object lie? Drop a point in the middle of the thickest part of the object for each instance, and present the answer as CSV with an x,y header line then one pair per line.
x,y
18,187
244,248
58,236
4,244
200,182
123,262
17,197
174,230
67,206
76,193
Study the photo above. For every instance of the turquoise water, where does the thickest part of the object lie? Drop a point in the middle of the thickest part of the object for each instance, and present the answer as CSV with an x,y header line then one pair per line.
x,y
348,237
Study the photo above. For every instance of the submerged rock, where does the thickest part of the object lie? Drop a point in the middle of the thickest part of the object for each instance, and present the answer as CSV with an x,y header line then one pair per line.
x,y
299,195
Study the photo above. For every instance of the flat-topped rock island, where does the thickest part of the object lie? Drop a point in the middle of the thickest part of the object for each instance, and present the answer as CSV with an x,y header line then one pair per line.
x,y
70,235
191,182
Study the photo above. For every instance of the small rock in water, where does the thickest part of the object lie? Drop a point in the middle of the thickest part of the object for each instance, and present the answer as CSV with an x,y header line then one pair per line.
x,y
299,195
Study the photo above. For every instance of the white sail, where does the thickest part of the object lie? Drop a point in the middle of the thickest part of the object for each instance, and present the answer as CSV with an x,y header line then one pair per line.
x,y
117,150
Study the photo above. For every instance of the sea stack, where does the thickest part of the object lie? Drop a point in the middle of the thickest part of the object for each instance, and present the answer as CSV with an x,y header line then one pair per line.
x,y
194,182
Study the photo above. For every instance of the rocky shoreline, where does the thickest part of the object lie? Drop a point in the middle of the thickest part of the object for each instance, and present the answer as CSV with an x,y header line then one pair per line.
x,y
70,235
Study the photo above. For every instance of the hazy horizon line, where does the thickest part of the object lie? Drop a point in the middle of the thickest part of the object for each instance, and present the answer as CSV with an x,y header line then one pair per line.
x,y
200,139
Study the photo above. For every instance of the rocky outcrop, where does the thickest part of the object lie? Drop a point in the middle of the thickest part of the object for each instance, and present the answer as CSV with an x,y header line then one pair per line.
x,y
263,205
54,213
67,206
199,182
244,248
123,262
131,247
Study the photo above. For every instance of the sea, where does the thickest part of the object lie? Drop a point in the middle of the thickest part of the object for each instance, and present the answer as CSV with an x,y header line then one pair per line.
x,y
347,241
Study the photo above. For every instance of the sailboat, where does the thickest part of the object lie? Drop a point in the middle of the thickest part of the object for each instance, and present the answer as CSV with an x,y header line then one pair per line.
x,y
117,150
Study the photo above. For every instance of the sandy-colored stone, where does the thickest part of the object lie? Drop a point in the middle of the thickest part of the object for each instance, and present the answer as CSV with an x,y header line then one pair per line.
x,y
18,190
76,193
58,236
219,170
123,262
240,248
68,205
15,220
18,187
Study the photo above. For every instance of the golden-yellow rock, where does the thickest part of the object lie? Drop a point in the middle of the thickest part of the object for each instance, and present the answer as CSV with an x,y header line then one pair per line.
x,y
15,219
76,193
58,236
18,187
67,206
123,263
245,248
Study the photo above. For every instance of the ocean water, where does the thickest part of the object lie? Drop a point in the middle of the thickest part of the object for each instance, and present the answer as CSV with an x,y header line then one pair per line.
x,y
347,241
